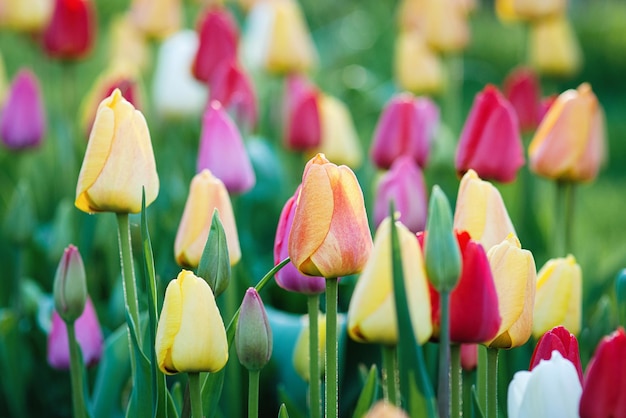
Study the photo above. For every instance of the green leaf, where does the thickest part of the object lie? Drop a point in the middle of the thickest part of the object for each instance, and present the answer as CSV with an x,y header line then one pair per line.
x,y
369,394
477,411
282,412
215,262
13,378
139,405
283,398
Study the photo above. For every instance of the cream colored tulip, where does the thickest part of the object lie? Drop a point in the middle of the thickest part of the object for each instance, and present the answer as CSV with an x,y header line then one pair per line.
x,y
127,44
417,68
553,47
157,18
26,15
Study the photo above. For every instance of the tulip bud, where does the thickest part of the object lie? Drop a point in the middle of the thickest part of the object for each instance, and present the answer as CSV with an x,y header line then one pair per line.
x,y
301,348
71,30
25,15
441,249
554,49
301,113
253,338
561,340
156,18
214,266
469,356
231,86
20,218
417,68
127,44
620,290
70,285
521,88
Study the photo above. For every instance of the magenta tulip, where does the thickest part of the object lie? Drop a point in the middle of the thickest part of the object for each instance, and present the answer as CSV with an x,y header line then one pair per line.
x,y
302,123
521,88
561,340
231,86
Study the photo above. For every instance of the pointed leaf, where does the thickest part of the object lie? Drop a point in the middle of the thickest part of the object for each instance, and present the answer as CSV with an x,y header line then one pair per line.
x,y
214,264
282,412
139,405
369,394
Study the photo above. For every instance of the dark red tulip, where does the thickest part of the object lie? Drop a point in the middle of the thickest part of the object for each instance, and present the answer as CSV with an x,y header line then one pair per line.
x,y
71,30
561,340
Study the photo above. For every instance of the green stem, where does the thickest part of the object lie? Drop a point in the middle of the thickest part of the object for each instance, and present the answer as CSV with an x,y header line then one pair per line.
x,y
453,92
390,377
234,376
195,395
457,381
332,374
492,383
76,374
481,377
443,393
128,272
564,215
315,389
253,393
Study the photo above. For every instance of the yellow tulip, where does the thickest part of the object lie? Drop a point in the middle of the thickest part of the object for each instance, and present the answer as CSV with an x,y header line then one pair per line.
x,y
481,212
118,162
190,335
558,299
533,10
515,277
569,144
301,349
127,44
157,18
372,313
417,68
206,193
26,15
553,47
330,234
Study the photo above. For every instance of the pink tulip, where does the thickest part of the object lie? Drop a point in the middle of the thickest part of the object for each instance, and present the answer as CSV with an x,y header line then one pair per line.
x,y
303,129
521,88
232,87
469,356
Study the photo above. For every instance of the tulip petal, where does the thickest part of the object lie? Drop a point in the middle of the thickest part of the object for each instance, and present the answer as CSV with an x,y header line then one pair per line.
x,y
169,324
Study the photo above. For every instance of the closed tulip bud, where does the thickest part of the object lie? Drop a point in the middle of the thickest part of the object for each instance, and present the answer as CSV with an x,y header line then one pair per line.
x,y
551,389
490,142
558,298
231,86
70,285
71,30
620,291
218,37
553,47
277,38
222,151
445,25
206,193
289,278
605,379
26,15
156,18
441,249
515,277
417,68
404,185
253,338
372,313
127,44
214,265
23,118
469,356
301,114
561,340
88,335
521,88
301,348
383,409
176,93
406,127
481,212
330,235
118,162
569,145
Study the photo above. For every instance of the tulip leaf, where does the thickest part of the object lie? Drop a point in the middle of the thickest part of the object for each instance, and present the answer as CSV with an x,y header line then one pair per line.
x,y
476,409
214,264
415,386
282,412
13,378
283,398
369,394
139,405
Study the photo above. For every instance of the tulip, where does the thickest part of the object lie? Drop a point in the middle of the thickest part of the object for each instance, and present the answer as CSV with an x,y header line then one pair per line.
x,y
445,25
417,68
561,340
232,87
339,139
277,39
70,285
176,92
521,88
253,337
529,10
551,389
289,278
23,118
404,185
181,345
383,409
605,379
569,145
490,141
558,298
330,235
71,30
515,277
372,313
222,151
406,127
301,110
218,37
119,161
553,47
127,44
301,348
88,335
156,18
206,193
469,356
26,15
481,212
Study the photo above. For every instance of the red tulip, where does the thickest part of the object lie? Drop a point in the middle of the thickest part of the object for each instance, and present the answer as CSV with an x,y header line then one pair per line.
x,y
521,88
71,31
605,379
232,87
561,340
490,142
303,129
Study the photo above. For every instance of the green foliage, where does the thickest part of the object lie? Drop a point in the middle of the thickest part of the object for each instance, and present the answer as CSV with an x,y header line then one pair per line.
x,y
369,394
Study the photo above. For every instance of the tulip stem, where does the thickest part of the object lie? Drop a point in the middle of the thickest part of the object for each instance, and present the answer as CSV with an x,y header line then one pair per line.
x,y
390,377
332,374
457,381
314,357
253,393
564,216
195,394
76,374
492,383
128,272
443,393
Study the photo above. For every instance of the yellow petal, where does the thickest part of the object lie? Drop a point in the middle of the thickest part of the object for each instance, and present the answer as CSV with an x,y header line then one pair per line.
x,y
167,329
